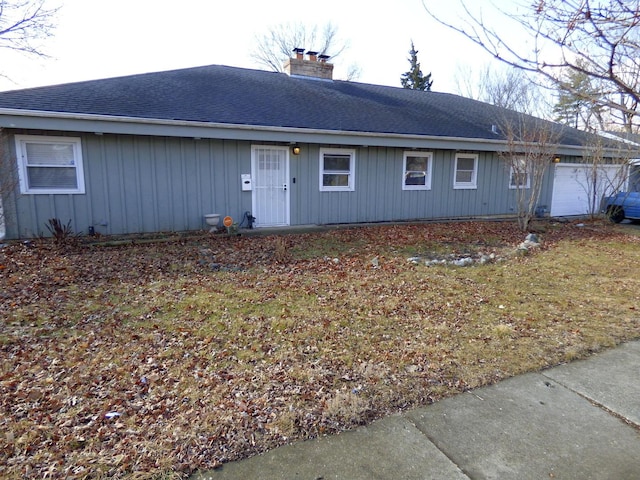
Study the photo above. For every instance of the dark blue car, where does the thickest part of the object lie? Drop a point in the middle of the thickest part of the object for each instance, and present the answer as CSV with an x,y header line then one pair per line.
x,y
622,205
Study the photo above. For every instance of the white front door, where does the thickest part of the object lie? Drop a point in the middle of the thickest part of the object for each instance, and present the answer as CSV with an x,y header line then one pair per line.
x,y
270,172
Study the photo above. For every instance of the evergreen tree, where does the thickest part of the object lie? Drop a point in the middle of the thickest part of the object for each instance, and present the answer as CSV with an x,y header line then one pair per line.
x,y
578,102
414,79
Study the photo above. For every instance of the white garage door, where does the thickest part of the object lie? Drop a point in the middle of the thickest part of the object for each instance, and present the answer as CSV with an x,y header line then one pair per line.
x,y
572,190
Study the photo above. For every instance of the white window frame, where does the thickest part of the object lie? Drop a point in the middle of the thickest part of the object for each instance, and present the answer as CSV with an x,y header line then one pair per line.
x,y
350,187
473,183
427,182
513,186
23,165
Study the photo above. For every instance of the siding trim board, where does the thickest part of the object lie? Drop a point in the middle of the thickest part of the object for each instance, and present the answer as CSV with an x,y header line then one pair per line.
x,y
103,124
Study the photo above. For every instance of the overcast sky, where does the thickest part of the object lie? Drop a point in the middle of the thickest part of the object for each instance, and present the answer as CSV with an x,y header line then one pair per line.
x,y
100,39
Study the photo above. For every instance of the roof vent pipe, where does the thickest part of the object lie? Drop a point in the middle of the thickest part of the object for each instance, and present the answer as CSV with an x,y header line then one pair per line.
x,y
494,129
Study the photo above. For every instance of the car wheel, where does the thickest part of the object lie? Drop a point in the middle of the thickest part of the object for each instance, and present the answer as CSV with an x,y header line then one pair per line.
x,y
616,214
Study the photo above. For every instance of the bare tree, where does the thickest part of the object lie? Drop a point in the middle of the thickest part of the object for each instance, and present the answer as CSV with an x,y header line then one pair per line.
x,y
275,46
606,169
508,88
530,147
25,23
600,39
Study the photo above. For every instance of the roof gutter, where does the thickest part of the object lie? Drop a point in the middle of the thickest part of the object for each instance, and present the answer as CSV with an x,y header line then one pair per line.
x,y
79,122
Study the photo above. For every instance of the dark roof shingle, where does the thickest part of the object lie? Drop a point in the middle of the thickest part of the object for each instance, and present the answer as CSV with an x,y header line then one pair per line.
x,y
230,95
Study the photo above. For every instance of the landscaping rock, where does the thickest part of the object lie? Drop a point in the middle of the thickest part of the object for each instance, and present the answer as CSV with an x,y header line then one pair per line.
x,y
530,241
456,260
463,262
487,258
435,261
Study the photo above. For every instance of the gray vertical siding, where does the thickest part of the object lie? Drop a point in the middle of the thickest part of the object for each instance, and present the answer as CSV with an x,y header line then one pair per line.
x,y
378,194
138,184
142,184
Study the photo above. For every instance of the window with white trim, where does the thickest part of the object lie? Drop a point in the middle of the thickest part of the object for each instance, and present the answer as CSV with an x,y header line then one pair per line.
x,y
49,165
466,171
417,171
519,175
337,170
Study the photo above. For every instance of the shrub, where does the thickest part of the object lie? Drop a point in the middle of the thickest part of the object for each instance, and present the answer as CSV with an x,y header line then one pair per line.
x,y
60,232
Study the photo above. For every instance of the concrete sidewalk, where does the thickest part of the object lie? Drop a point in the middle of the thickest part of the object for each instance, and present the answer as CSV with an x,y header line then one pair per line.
x,y
575,421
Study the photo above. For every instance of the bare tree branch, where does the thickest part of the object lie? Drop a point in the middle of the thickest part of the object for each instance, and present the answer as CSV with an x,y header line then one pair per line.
x,y
274,47
605,172
23,23
508,88
600,39
530,148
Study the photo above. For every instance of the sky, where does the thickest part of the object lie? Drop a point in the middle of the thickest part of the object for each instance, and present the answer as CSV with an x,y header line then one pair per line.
x,y
101,39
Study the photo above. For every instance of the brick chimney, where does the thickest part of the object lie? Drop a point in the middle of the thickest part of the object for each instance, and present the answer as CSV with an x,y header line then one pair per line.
x,y
315,66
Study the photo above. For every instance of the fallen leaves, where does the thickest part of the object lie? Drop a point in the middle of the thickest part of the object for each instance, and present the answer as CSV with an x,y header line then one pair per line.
x,y
157,358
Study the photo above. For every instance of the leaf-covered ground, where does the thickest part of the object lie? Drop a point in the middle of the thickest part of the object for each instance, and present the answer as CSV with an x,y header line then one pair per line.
x,y
161,358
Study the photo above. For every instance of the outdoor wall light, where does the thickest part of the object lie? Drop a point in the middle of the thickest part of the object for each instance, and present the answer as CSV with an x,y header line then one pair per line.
x,y
556,159
295,150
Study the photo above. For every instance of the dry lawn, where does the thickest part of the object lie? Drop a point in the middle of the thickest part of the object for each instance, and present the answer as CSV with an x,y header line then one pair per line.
x,y
152,360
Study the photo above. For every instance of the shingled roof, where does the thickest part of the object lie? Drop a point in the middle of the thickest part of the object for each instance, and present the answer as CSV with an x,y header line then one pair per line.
x,y
237,96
